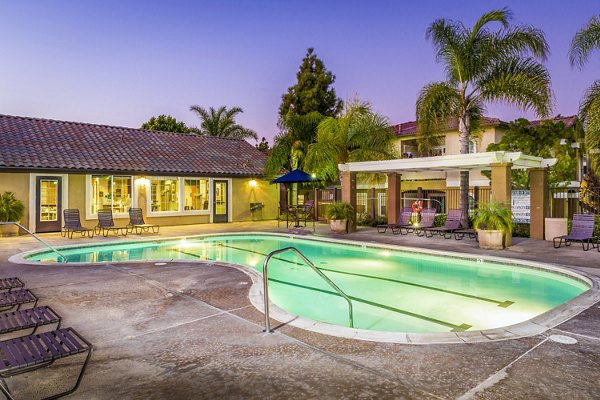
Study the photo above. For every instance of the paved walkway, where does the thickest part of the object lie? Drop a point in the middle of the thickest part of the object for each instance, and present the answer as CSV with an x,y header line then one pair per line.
x,y
187,330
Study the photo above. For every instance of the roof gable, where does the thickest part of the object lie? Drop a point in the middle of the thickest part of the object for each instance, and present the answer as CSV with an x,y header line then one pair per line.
x,y
42,144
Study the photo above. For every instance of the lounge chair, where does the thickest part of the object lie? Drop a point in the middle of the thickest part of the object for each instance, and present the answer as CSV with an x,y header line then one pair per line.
x,y
72,224
427,220
459,234
106,224
26,353
10,283
403,221
136,221
305,212
581,231
28,318
16,298
452,224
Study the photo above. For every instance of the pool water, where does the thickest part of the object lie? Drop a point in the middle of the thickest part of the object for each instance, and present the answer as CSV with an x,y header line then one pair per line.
x,y
397,291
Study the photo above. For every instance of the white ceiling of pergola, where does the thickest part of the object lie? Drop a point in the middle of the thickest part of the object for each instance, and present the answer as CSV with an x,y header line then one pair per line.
x,y
456,162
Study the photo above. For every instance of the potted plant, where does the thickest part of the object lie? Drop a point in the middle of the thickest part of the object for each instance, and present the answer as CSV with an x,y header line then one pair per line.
x,y
11,210
339,214
492,221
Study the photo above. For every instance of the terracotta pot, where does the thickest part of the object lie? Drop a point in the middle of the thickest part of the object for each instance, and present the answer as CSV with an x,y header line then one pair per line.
x,y
490,240
338,225
9,230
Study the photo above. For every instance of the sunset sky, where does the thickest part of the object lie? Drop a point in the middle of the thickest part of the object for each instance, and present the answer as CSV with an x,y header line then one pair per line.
x,y
121,62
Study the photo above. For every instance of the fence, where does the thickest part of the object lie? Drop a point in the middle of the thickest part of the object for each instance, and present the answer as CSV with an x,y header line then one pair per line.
x,y
564,202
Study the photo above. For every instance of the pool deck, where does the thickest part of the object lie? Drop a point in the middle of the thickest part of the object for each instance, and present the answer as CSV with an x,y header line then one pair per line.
x,y
188,330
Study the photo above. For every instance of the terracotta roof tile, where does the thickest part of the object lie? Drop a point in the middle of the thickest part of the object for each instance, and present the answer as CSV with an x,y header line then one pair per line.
x,y
42,144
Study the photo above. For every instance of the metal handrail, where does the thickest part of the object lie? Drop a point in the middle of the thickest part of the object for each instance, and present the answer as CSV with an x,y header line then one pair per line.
x,y
310,264
64,258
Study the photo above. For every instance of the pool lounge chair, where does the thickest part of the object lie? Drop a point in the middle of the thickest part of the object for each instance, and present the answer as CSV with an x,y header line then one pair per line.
x,y
106,224
427,220
452,224
16,298
459,234
72,224
10,283
581,231
28,318
402,222
27,353
136,221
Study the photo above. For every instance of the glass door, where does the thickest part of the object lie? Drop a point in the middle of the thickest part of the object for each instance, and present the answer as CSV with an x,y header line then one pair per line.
x,y
48,203
221,202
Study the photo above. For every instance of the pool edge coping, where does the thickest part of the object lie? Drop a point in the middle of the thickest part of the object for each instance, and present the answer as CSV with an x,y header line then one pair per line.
x,y
534,326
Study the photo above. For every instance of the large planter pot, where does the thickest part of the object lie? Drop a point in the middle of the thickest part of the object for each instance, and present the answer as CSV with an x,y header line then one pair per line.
x,y
554,227
338,225
9,230
491,240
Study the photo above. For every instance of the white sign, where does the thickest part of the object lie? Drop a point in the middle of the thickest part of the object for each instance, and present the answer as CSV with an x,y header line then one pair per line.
x,y
521,205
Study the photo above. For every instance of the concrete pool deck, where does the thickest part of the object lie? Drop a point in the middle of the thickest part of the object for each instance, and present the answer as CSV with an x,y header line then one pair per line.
x,y
188,330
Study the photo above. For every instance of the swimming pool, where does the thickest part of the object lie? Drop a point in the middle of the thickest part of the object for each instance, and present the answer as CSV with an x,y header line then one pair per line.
x,y
391,290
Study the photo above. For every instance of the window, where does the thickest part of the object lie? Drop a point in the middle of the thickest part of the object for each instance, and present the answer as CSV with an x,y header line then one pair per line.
x,y
437,151
164,194
472,147
195,194
361,202
110,192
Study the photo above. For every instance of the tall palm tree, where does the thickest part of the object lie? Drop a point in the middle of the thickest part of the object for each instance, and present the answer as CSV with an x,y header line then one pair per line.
x,y
289,148
482,65
221,122
586,40
358,134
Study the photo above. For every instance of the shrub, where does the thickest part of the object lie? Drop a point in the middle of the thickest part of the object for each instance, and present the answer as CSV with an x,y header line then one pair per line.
x,y
520,230
340,211
493,216
11,208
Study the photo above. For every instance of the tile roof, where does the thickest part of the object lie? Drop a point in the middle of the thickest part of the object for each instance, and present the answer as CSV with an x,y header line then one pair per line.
x,y
43,144
410,128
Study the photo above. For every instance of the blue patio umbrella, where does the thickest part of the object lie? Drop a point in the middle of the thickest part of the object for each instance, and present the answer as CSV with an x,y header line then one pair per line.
x,y
295,176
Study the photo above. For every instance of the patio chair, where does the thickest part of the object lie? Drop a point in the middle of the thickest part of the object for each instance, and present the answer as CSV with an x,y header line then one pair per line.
x,y
27,353
452,224
106,224
72,224
288,210
16,298
136,221
427,220
581,231
28,318
304,213
403,221
10,283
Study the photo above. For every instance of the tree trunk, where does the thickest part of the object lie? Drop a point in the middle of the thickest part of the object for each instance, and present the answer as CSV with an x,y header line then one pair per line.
x,y
464,129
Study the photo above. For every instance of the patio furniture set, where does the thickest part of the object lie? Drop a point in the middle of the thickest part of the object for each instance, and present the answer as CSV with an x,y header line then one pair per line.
x,y
106,224
22,354
297,214
406,224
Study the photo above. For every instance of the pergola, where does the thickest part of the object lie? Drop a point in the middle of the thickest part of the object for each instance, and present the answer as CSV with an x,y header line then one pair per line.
x,y
499,162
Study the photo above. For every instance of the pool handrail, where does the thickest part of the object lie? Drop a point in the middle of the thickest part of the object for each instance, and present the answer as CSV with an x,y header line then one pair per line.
x,y
317,270
39,239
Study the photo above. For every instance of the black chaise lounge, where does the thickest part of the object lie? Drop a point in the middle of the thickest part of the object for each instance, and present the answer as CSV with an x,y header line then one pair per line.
x,y
28,318
459,234
26,353
72,224
10,283
581,231
427,220
452,223
16,298
137,223
403,221
106,224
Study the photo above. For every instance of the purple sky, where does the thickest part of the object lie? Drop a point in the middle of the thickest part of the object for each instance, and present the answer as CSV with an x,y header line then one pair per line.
x,y
121,62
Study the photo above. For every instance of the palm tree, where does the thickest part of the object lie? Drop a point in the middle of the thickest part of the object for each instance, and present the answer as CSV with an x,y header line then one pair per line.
x,y
482,65
298,131
358,134
586,40
221,123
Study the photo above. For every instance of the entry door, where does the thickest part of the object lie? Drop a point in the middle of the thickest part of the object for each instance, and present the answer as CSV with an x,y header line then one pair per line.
x,y
48,203
220,205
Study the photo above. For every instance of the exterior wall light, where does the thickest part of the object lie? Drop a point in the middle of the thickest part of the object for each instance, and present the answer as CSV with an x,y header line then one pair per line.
x,y
142,181
253,183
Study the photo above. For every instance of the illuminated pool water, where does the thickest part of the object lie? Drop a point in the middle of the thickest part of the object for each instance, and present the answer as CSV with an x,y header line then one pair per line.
x,y
397,291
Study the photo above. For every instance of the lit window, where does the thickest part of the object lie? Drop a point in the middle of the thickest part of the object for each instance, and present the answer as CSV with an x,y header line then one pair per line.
x,y
110,192
164,194
195,194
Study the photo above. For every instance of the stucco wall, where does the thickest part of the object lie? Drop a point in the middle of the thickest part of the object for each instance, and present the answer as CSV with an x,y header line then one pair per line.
x,y
18,183
244,194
